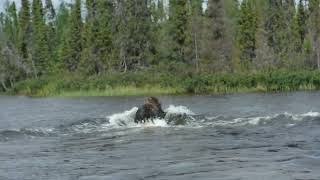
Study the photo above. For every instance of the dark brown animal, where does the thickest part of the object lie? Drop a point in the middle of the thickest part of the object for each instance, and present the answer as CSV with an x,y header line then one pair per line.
x,y
150,110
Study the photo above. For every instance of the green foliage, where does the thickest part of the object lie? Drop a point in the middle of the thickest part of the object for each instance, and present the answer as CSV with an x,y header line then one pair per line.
x,y
178,20
24,30
300,26
41,52
182,46
133,39
216,39
97,50
314,29
246,35
61,32
138,83
279,24
11,26
70,54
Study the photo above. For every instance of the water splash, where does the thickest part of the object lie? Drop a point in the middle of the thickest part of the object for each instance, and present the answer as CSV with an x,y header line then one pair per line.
x,y
181,116
178,110
126,118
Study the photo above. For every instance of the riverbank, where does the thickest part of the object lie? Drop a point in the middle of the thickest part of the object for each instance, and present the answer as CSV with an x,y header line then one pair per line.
x,y
145,84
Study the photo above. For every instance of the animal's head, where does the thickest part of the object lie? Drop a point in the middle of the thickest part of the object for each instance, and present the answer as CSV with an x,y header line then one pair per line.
x,y
154,101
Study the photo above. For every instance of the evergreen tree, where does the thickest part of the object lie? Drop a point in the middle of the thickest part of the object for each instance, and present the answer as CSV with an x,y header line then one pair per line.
x,y
195,26
157,11
97,37
50,13
314,27
301,21
246,36
159,37
50,18
25,30
2,17
265,55
89,27
299,32
279,29
134,37
272,27
11,28
61,26
232,14
217,44
72,45
178,21
41,53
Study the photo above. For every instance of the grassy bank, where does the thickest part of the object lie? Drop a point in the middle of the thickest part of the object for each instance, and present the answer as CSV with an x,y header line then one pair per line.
x,y
147,83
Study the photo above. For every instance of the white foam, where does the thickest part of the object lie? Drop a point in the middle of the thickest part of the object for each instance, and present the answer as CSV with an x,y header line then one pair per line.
x,y
256,120
156,123
311,114
179,110
125,118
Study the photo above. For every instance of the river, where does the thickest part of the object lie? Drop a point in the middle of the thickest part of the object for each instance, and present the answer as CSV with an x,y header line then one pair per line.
x,y
231,137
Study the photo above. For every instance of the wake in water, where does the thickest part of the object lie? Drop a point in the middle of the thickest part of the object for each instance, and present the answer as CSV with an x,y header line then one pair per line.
x,y
184,117
176,116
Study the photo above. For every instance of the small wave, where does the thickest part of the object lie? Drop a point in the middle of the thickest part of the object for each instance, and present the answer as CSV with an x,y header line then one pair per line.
x,y
181,115
177,116
83,126
285,118
25,132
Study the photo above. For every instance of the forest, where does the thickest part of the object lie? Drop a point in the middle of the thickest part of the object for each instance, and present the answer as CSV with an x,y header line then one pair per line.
x,y
139,47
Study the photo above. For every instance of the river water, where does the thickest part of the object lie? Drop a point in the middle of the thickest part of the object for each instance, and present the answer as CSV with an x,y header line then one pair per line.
x,y
232,137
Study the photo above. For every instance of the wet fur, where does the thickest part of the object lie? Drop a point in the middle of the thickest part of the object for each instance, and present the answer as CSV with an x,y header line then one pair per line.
x,y
150,110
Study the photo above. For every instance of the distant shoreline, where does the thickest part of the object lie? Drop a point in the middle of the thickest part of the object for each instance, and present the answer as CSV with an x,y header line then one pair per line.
x,y
147,84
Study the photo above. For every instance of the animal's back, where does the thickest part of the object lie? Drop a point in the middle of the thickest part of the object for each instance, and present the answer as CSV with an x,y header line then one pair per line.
x,y
142,114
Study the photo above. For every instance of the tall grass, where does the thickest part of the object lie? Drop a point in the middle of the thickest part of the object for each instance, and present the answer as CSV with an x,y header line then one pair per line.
x,y
151,83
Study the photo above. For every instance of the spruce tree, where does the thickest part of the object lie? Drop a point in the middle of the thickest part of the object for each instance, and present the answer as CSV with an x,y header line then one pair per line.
x,y
299,28
40,49
159,37
178,21
134,41
157,11
195,25
61,24
72,45
279,29
246,36
97,37
50,13
50,18
11,26
217,44
314,27
25,30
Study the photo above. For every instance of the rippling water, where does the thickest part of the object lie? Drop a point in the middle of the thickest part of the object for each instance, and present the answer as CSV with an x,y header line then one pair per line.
x,y
233,137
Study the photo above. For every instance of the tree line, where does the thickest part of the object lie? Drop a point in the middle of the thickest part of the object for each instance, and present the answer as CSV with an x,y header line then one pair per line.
x,y
95,37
